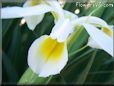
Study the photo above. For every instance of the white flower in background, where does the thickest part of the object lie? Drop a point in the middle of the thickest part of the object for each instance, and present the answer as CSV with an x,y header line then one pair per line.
x,y
33,11
100,39
107,31
48,54
32,21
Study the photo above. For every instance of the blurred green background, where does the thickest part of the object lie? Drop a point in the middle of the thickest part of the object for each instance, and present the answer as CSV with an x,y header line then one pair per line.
x,y
88,66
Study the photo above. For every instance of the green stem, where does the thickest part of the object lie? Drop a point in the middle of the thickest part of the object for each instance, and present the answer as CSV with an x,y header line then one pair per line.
x,y
49,80
82,48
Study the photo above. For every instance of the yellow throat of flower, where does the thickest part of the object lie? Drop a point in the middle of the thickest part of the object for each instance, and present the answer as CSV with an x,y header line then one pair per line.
x,y
35,2
108,31
52,49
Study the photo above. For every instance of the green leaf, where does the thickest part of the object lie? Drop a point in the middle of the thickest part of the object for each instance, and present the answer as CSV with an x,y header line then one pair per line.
x,y
97,9
11,72
6,26
86,70
29,77
75,66
108,15
101,63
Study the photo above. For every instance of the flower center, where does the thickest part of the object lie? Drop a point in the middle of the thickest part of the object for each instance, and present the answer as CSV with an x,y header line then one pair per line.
x,y
52,49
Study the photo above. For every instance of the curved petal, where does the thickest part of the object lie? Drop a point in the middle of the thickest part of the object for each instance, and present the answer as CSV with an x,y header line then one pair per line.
x,y
92,43
70,15
90,19
57,8
47,56
17,12
32,21
61,30
104,41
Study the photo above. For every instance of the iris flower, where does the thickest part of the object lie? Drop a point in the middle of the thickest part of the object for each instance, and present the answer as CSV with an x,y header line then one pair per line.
x,y
33,11
48,54
99,38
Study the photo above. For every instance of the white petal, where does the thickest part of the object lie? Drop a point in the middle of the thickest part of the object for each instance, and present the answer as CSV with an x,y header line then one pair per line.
x,y
61,30
37,60
17,12
92,43
104,41
70,15
91,20
32,21
111,27
57,8
34,62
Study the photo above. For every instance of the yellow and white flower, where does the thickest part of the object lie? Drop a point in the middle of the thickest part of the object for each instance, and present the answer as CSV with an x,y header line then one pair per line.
x,y
100,39
48,54
33,11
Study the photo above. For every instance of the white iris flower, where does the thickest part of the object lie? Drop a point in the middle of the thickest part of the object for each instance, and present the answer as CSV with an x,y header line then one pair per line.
x,y
48,54
33,11
100,39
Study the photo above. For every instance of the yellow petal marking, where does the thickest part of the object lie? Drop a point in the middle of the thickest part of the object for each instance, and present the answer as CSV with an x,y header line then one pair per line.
x,y
108,32
52,49
35,2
